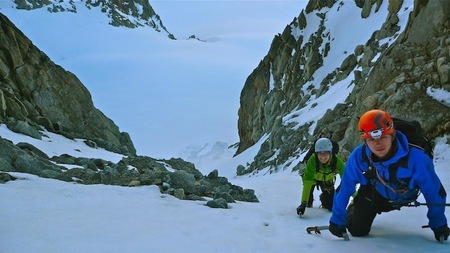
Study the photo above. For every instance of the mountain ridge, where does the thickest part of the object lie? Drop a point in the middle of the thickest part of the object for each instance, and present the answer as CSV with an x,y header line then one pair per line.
x,y
129,13
392,69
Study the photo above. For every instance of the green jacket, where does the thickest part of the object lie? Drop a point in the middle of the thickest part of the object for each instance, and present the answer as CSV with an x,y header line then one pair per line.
x,y
324,174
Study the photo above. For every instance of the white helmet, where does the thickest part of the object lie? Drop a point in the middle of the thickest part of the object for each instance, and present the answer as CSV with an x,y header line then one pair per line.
x,y
323,145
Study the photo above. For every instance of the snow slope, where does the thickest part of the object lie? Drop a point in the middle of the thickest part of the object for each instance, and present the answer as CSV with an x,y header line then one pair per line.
x,y
185,93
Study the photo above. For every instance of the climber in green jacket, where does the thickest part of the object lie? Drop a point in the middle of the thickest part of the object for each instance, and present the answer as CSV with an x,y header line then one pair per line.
x,y
321,169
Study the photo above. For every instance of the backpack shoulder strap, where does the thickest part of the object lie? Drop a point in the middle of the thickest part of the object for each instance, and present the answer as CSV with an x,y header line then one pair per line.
x,y
333,163
364,155
309,153
370,173
403,162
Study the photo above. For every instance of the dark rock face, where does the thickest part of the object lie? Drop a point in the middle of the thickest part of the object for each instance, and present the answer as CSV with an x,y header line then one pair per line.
x,y
36,93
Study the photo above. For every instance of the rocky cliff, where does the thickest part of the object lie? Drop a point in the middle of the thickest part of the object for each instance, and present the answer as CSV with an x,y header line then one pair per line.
x,y
35,93
395,69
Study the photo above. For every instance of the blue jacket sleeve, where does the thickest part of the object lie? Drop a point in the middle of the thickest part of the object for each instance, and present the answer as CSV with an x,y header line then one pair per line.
x,y
425,177
353,175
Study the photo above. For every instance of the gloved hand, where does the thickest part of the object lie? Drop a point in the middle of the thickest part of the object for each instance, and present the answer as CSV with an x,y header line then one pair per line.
x,y
441,231
337,230
301,208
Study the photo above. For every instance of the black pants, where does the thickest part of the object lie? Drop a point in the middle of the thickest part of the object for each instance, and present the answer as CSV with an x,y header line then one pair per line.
x,y
326,197
366,205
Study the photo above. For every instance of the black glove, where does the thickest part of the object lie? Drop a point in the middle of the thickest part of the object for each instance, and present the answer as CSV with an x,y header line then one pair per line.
x,y
301,208
337,230
441,231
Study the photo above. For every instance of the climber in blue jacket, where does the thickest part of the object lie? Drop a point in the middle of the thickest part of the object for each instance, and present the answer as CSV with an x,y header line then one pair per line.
x,y
391,174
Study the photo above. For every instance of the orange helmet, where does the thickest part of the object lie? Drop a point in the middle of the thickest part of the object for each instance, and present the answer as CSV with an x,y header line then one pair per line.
x,y
374,124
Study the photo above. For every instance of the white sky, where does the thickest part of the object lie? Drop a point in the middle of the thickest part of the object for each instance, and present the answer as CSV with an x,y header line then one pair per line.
x,y
169,95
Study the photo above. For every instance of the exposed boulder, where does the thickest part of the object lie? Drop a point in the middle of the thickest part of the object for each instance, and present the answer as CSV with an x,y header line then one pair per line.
x,y
5,177
183,181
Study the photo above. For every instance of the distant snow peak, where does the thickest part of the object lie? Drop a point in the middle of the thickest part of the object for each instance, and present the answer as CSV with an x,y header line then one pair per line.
x,y
126,13
197,152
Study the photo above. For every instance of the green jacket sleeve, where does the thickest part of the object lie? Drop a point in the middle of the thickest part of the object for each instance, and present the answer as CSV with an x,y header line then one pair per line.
x,y
308,178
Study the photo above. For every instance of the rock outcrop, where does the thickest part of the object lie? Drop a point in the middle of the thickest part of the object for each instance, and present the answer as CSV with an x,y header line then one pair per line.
x,y
36,93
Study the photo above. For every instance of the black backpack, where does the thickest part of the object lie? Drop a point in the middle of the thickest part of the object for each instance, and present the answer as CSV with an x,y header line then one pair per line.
x,y
415,134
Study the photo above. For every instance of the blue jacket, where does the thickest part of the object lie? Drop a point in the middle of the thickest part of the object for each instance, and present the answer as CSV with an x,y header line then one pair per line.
x,y
420,174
